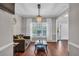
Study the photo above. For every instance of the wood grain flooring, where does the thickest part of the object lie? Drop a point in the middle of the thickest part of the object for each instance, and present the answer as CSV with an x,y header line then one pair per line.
x,y
59,48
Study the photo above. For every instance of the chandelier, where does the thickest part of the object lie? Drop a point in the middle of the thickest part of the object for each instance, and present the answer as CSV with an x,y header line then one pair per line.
x,y
39,18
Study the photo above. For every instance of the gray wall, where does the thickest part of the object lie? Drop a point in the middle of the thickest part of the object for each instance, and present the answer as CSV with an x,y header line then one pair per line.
x,y
23,26
74,29
51,29
25,29
17,22
6,34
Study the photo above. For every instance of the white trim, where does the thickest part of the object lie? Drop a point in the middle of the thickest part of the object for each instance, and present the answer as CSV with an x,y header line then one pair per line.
x,y
62,39
5,46
73,44
51,41
47,41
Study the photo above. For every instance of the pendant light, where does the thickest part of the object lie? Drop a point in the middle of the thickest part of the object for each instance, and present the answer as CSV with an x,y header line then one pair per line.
x,y
39,18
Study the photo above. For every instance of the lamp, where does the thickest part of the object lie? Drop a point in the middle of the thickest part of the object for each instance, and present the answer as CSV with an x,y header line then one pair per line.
x,y
39,18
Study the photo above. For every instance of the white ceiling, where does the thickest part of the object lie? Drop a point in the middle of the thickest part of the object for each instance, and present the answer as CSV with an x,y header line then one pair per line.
x,y
47,9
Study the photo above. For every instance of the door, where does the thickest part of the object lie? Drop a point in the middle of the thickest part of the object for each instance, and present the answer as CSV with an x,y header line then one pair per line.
x,y
64,31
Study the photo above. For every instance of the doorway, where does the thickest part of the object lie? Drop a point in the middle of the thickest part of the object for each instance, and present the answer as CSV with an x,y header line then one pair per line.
x,y
62,31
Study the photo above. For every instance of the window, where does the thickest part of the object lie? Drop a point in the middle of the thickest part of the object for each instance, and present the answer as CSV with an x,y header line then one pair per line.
x,y
39,29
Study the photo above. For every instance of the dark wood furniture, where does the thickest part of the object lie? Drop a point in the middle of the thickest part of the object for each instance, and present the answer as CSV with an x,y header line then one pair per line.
x,y
21,43
26,37
20,47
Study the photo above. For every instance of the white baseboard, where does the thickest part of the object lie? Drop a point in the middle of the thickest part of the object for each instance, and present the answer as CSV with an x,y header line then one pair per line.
x,y
5,46
62,39
47,41
73,44
51,41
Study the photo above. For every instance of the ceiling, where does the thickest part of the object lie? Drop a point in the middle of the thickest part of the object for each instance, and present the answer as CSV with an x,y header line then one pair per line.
x,y
47,9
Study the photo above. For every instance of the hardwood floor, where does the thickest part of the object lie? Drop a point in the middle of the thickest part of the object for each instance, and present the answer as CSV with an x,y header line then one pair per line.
x,y
59,48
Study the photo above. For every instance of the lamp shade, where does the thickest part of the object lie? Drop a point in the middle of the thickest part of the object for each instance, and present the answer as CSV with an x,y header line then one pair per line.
x,y
39,18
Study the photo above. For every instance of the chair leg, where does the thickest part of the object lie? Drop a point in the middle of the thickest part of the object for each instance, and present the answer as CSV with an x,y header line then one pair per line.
x,y
35,52
46,51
